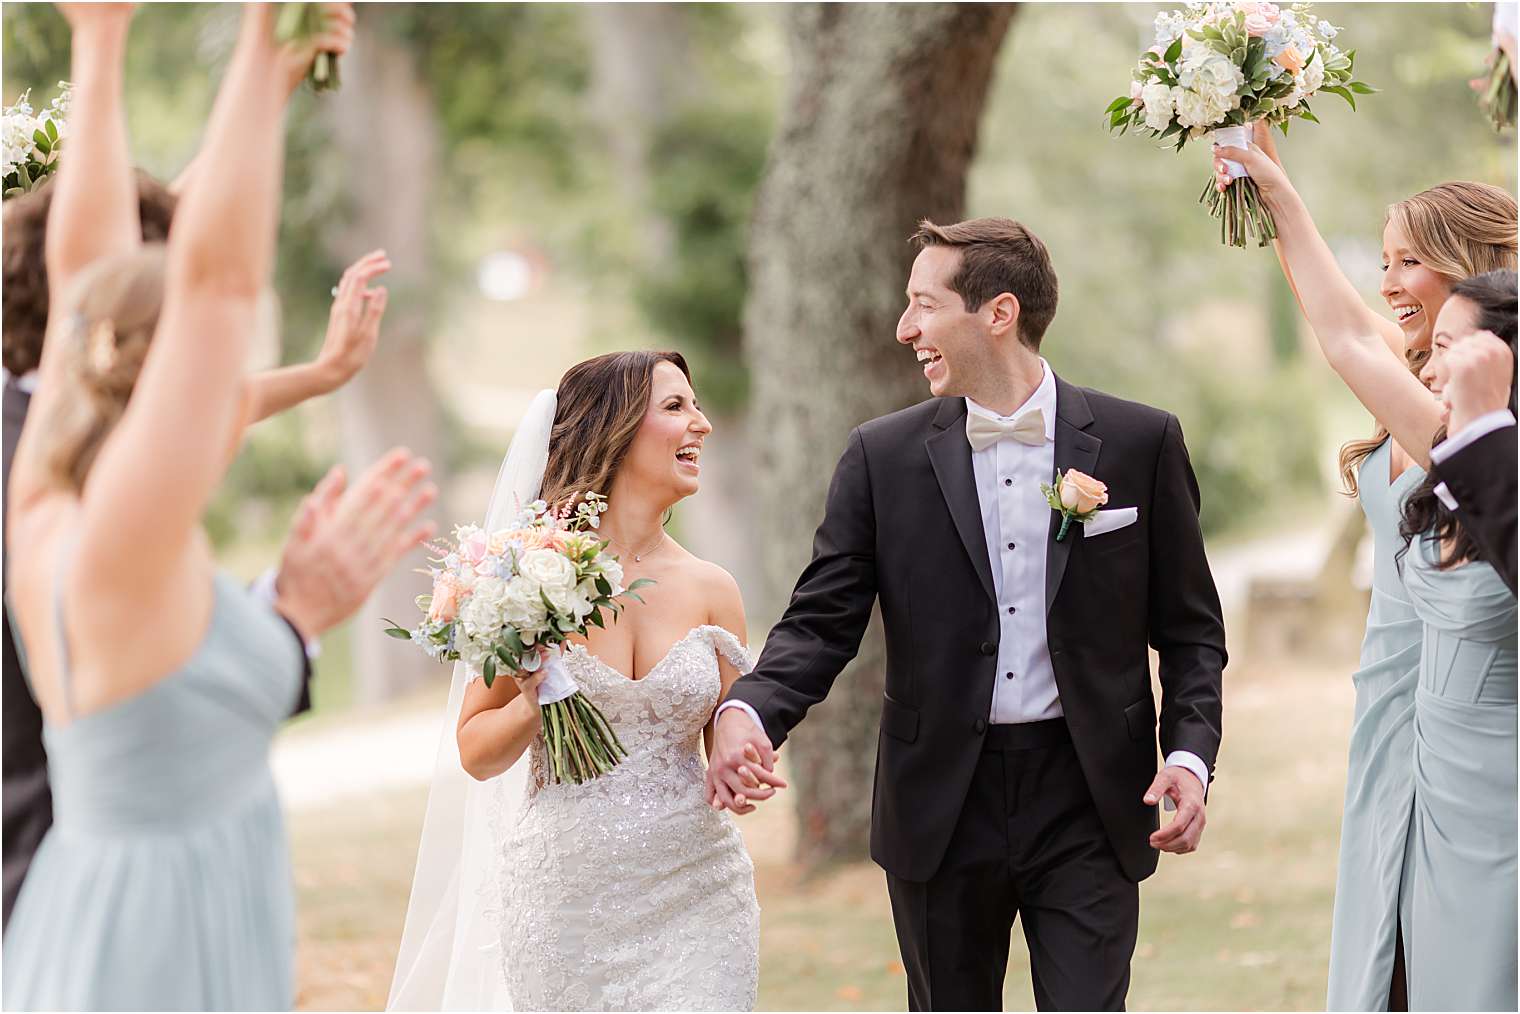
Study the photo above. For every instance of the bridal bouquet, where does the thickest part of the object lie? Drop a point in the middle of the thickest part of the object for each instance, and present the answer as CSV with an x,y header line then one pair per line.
x,y
506,601
31,142
1216,68
301,21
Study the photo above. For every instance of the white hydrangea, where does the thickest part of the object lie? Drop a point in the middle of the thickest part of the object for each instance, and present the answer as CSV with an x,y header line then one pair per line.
x,y
1327,30
522,605
1210,87
1169,27
1157,97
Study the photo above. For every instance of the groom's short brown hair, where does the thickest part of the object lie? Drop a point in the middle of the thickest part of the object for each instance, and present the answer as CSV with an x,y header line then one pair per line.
x,y
999,255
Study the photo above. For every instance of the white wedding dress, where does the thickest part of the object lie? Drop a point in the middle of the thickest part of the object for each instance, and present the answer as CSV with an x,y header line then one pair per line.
x,y
630,892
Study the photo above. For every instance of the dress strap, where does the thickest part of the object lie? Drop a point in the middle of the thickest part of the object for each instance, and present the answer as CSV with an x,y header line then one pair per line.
x,y
731,648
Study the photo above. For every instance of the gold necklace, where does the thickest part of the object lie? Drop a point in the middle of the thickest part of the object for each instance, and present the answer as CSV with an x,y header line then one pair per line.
x,y
638,557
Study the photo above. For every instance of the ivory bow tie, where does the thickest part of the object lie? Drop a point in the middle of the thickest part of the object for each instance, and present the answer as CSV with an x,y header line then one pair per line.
x,y
982,432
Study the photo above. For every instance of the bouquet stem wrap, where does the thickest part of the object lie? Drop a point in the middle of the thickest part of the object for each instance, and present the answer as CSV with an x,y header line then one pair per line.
x,y
1241,212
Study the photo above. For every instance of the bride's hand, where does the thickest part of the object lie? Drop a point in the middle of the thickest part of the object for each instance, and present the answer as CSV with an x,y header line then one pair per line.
x,y
527,682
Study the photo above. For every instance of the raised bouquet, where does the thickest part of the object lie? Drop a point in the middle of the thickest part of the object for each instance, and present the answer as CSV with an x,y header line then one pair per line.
x,y
302,21
1216,68
32,142
505,602
1496,92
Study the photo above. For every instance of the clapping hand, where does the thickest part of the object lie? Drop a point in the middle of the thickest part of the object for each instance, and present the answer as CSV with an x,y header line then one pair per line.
x,y
346,540
353,325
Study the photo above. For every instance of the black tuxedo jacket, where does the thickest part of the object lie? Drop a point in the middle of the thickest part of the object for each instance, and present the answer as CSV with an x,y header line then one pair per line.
x,y
902,525
1481,478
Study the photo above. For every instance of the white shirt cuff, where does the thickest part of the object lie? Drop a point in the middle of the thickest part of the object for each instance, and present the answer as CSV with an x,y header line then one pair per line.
x,y
753,717
1190,762
1445,497
264,588
1478,428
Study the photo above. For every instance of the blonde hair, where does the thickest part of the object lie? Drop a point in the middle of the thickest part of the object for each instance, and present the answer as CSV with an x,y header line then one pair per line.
x,y
110,326
1457,229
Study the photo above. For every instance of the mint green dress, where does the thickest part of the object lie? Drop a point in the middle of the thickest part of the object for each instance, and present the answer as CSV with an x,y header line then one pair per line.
x,y
1380,767
164,883
1459,909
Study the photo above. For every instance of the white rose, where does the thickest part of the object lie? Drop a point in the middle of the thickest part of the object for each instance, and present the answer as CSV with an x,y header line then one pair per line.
x,y
522,606
1157,98
548,569
1313,75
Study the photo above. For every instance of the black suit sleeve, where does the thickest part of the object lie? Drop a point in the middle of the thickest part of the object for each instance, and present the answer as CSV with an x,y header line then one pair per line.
x,y
1481,478
1186,622
821,630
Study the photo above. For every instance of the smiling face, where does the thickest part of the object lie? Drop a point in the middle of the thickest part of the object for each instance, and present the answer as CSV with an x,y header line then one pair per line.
x,y
1414,291
665,452
1457,320
954,346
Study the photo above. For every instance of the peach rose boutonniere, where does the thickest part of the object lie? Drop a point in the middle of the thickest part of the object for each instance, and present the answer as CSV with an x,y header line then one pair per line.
x,y
1076,495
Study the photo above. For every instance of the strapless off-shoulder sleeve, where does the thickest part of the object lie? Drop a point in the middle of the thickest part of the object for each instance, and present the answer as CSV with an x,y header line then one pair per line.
x,y
730,647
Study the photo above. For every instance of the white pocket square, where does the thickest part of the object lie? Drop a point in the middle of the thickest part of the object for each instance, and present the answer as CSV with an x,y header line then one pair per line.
x,y
1110,521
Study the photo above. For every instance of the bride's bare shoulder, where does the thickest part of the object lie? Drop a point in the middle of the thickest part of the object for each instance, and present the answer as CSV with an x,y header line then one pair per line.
x,y
712,580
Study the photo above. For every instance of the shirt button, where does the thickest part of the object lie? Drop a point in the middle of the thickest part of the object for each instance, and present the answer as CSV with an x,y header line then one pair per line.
x,y
1007,675
1012,610
1010,545
988,648
980,726
1007,482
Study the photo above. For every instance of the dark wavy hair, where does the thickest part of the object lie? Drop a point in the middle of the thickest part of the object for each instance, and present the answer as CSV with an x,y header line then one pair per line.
x,y
1493,294
602,404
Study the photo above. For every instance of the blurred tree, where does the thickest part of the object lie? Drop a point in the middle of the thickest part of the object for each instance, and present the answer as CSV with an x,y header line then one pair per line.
x,y
877,131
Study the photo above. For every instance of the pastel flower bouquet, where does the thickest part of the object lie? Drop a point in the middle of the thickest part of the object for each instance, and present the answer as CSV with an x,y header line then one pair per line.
x,y
505,602
1217,68
32,142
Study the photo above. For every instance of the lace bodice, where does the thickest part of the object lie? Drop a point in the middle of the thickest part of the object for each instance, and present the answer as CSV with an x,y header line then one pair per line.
x,y
629,892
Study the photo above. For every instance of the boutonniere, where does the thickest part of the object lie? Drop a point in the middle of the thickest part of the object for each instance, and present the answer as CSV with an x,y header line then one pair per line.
x,y
1076,495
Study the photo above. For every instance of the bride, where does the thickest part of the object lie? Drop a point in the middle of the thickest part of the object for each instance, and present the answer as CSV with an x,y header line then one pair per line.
x,y
628,892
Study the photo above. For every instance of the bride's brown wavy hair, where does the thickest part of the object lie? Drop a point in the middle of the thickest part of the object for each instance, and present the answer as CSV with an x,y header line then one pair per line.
x,y
601,405
1457,229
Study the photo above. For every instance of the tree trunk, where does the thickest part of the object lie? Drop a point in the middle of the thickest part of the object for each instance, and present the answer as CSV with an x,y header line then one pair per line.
x,y
384,127
877,131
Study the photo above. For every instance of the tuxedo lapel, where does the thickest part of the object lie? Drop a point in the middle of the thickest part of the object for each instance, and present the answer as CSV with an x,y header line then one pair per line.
x,y
1075,448
950,454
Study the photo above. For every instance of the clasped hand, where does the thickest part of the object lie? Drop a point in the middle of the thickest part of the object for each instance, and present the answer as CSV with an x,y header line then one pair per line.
x,y
742,768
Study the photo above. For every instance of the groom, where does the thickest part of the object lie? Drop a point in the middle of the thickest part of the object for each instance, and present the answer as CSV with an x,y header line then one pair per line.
x,y
1016,771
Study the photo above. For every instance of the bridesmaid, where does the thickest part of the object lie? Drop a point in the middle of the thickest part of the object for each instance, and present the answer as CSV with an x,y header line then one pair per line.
x,y
1430,241
164,883
1461,910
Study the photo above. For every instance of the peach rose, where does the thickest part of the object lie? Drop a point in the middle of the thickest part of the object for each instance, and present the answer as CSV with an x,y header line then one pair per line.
x,y
1081,492
1290,59
445,605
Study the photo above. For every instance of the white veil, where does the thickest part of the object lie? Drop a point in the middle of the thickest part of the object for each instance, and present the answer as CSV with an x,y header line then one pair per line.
x,y
449,956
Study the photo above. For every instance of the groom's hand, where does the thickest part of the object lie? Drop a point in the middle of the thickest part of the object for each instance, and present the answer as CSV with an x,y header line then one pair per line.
x,y
1183,788
742,766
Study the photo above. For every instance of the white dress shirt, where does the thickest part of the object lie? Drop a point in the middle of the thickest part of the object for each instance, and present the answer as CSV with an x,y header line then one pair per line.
x,y
1016,525
1479,427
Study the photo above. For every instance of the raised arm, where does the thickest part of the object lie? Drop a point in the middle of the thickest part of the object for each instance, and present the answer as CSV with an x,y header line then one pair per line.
x,y
94,206
1334,309
152,480
353,330
1365,348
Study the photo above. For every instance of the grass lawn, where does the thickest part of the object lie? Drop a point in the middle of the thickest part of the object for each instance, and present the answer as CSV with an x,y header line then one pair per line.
x,y
1243,924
